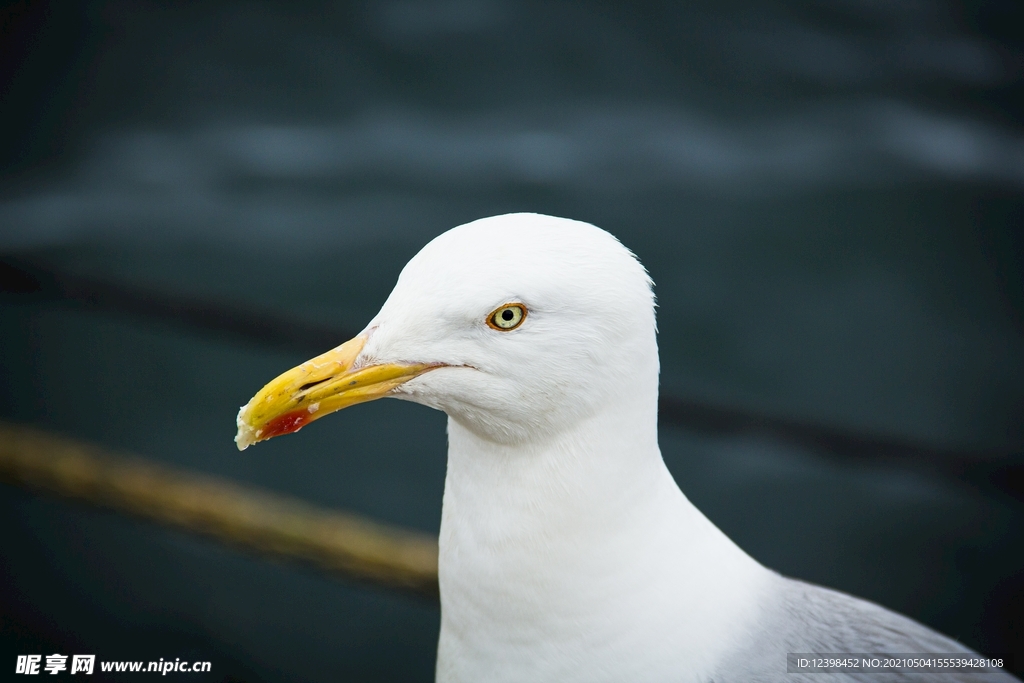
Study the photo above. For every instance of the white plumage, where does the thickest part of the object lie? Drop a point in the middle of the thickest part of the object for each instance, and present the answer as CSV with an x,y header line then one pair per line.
x,y
567,551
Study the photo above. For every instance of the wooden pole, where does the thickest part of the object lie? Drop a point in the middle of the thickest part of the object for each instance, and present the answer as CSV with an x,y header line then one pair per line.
x,y
272,524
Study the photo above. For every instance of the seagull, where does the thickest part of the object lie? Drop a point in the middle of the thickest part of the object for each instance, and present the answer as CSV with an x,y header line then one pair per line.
x,y
567,552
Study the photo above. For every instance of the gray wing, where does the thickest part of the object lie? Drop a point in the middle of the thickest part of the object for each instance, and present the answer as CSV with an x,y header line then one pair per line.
x,y
807,618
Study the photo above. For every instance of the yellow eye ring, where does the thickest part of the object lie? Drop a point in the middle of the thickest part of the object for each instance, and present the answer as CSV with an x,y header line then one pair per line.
x,y
507,317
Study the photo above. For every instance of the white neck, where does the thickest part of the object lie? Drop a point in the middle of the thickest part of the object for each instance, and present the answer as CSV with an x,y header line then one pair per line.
x,y
576,558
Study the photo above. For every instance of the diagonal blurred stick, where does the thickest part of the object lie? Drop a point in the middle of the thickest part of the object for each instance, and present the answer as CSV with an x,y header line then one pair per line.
x,y
989,469
269,523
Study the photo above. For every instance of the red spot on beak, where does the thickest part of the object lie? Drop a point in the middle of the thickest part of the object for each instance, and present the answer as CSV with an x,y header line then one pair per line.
x,y
285,424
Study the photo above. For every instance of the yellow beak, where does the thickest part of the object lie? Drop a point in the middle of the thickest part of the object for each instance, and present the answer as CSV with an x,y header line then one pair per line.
x,y
316,388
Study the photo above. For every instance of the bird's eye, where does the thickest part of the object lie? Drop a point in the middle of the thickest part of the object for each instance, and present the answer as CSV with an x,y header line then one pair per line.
x,y
507,317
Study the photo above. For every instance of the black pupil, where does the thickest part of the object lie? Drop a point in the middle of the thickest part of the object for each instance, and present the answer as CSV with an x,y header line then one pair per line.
x,y
506,314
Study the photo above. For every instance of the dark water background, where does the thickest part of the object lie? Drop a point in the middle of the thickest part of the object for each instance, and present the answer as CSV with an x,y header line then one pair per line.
x,y
827,194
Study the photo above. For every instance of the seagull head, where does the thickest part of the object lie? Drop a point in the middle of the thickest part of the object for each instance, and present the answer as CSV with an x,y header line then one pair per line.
x,y
516,326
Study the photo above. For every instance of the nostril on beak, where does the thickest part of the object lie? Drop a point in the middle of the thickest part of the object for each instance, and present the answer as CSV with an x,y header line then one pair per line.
x,y
310,385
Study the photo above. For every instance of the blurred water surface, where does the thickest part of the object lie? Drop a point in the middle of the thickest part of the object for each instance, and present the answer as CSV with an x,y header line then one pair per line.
x,y
828,196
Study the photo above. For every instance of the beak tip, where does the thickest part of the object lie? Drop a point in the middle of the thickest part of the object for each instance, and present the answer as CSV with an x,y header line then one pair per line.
x,y
245,436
